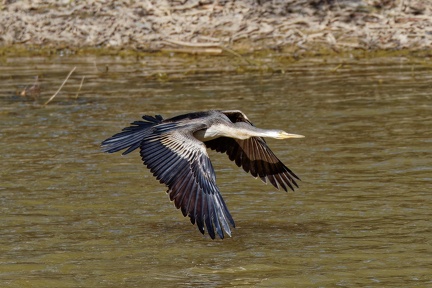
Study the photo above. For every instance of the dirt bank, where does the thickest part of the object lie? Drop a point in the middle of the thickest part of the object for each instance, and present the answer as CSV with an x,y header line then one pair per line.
x,y
217,26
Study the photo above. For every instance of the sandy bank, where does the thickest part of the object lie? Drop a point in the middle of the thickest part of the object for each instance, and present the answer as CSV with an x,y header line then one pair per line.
x,y
217,26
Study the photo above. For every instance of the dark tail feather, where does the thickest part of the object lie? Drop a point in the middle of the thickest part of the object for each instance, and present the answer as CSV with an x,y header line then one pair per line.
x,y
131,136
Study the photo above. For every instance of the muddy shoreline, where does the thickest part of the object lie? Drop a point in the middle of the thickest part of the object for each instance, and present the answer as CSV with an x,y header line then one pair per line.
x,y
215,27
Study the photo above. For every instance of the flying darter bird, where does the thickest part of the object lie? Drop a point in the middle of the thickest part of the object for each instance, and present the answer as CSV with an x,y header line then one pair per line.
x,y
174,150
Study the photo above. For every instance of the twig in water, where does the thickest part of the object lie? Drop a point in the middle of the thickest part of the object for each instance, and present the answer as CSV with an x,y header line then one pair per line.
x,y
238,55
61,86
79,89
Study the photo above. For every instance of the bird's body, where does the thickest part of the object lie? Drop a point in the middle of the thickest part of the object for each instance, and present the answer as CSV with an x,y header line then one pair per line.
x,y
174,150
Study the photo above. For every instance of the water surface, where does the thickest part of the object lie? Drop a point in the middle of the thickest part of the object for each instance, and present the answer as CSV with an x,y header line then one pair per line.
x,y
72,216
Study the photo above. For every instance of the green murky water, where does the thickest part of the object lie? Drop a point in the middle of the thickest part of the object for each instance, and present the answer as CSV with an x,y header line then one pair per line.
x,y
72,216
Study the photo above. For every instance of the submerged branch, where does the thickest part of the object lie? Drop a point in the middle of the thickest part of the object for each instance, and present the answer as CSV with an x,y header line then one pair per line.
x,y
61,86
79,89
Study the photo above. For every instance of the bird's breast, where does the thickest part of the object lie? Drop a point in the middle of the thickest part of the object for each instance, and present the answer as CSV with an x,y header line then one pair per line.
x,y
206,134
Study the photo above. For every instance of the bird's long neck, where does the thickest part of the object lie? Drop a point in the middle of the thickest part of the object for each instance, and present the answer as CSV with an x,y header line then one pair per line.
x,y
238,130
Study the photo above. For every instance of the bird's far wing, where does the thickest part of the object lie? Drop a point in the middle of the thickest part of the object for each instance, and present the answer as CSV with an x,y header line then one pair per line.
x,y
257,159
254,156
181,162
237,116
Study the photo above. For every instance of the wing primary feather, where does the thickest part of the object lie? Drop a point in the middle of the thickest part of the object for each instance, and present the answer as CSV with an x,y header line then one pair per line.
x,y
268,168
225,213
206,217
181,185
198,213
170,173
186,199
272,180
214,218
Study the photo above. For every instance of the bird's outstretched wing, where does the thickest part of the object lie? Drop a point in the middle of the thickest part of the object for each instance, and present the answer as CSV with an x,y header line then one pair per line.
x,y
254,156
181,162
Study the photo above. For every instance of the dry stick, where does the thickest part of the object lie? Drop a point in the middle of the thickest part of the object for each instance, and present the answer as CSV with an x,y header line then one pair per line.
x,y
206,45
79,89
195,45
61,86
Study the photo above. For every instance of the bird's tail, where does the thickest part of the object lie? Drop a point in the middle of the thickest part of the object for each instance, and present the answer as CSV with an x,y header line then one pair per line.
x,y
131,136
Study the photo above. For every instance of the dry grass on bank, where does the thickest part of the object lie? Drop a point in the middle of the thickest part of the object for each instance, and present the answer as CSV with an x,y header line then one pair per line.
x,y
215,26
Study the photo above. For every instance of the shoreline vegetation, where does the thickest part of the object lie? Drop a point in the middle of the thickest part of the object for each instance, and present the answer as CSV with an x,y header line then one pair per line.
x,y
298,28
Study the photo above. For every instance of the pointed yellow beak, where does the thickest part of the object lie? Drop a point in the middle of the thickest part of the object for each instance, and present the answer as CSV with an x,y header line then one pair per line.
x,y
285,135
